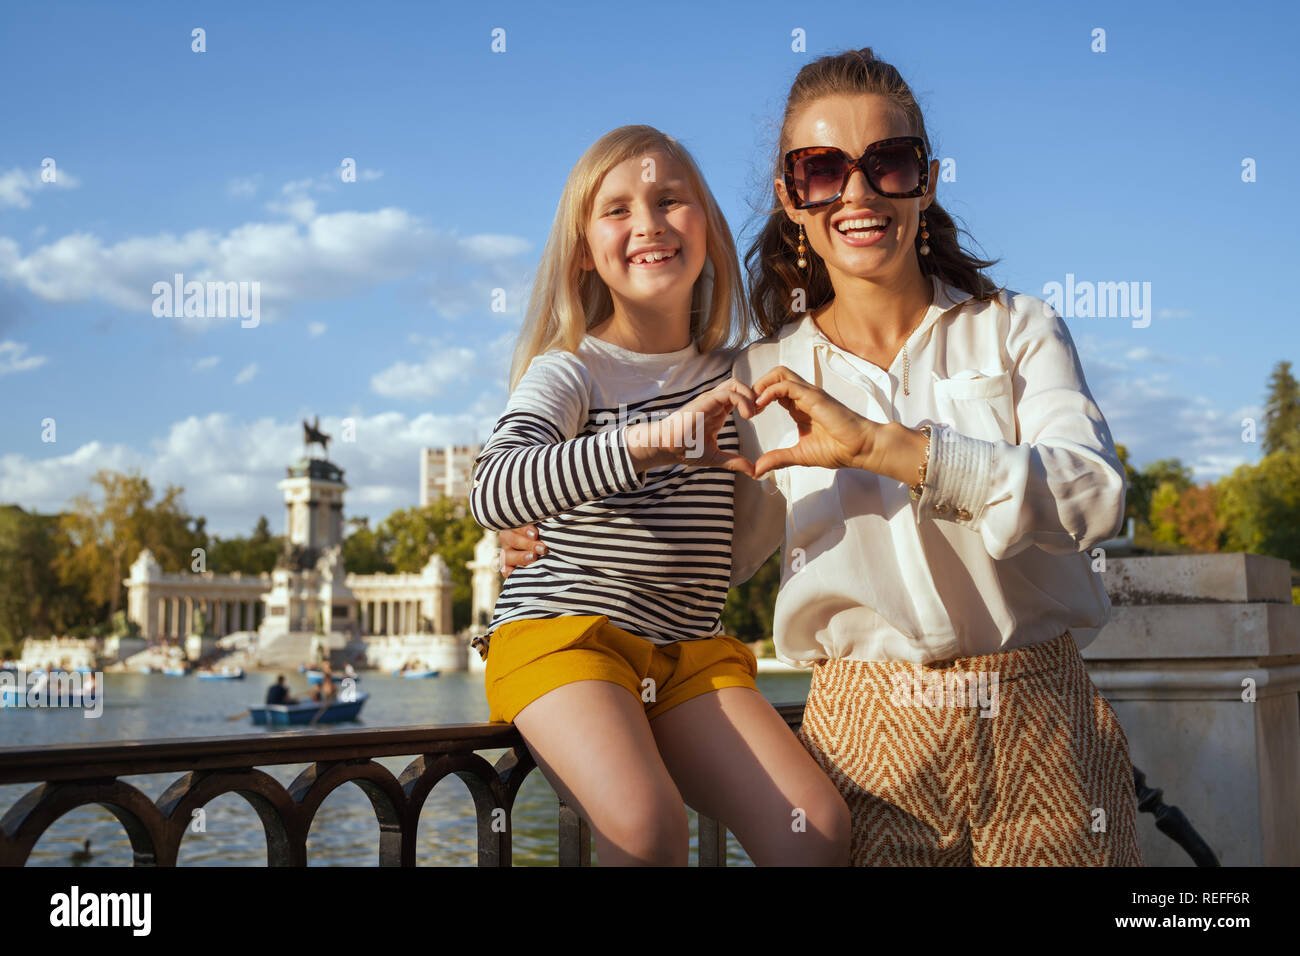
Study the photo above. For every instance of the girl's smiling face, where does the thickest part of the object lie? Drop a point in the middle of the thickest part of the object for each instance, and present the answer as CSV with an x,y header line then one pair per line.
x,y
861,234
647,235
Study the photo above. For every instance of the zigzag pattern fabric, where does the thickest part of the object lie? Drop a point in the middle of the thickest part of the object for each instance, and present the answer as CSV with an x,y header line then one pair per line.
x,y
1011,759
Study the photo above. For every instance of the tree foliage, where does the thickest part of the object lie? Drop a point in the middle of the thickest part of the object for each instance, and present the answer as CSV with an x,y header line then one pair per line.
x,y
1282,411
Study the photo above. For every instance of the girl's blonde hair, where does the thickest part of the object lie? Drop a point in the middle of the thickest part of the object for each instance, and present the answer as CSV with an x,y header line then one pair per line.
x,y
567,300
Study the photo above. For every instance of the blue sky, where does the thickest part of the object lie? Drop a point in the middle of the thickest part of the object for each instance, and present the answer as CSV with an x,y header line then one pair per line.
x,y
1115,166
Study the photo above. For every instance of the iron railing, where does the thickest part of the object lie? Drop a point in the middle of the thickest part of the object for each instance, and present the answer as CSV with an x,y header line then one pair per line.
x,y
69,776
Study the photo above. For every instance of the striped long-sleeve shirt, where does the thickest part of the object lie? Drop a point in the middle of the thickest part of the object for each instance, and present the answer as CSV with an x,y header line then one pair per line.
x,y
651,551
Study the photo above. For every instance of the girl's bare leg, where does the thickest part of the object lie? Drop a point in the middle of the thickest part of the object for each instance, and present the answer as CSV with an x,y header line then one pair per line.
x,y
734,759
592,741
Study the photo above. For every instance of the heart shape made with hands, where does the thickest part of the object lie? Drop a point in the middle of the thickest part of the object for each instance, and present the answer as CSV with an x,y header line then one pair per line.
x,y
831,435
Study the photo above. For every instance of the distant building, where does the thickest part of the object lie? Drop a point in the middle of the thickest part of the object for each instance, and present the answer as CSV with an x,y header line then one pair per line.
x,y
310,591
446,472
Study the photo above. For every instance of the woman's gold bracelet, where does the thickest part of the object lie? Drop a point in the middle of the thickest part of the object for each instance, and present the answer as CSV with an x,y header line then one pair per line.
x,y
916,490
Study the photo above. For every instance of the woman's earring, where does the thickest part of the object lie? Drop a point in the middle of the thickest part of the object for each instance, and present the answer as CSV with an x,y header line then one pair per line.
x,y
803,261
925,246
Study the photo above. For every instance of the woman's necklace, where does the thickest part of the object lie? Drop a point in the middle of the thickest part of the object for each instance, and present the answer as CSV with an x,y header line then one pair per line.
x,y
835,324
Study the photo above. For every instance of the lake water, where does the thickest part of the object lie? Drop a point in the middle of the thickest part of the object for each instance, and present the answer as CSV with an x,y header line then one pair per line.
x,y
344,832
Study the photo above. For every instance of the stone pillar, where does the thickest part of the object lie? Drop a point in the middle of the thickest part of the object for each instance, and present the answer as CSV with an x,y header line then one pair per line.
x,y
1201,662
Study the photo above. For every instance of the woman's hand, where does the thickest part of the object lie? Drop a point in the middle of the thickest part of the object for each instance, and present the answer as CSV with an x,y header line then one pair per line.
x,y
519,546
832,435
690,435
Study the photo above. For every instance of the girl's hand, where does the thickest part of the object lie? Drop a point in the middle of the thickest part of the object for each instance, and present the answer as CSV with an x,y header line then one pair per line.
x,y
690,434
831,435
519,546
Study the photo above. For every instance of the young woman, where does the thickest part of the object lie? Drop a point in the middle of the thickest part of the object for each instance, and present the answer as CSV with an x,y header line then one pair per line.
x,y
940,473
609,656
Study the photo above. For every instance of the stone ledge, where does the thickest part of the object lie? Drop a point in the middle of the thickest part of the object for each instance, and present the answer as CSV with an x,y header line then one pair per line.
x,y
1236,578
1195,630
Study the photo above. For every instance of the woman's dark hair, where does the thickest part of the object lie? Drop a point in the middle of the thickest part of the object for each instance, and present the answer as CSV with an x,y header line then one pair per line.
x,y
770,261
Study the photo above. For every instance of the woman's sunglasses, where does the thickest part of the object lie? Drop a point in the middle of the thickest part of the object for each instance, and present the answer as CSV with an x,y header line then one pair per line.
x,y
895,168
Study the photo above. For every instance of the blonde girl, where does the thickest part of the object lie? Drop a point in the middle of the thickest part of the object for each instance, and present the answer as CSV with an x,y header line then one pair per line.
x,y
618,443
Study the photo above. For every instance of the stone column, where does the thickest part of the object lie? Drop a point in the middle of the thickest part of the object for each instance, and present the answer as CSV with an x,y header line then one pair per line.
x,y
1201,662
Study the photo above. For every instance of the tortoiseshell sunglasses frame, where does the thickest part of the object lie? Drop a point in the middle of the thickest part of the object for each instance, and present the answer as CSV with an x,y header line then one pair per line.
x,y
795,155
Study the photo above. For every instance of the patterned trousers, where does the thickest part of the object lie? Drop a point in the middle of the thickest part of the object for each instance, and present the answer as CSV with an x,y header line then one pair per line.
x,y
1011,759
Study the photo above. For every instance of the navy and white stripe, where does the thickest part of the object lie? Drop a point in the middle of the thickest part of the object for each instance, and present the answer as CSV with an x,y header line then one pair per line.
x,y
652,551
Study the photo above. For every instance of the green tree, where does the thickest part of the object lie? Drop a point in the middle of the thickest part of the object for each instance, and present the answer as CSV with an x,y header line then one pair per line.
x,y
1259,507
406,540
34,602
366,551
1282,411
251,555
1163,516
105,536
747,615
1142,486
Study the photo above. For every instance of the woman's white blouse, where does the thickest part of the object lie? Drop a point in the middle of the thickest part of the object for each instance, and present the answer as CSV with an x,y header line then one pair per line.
x,y
1023,483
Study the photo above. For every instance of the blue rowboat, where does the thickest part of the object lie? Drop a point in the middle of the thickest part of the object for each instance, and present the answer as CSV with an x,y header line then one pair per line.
x,y
283,715
315,677
174,671
236,674
416,674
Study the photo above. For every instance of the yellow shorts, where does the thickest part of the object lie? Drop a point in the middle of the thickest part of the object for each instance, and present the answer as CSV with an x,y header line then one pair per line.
x,y
529,658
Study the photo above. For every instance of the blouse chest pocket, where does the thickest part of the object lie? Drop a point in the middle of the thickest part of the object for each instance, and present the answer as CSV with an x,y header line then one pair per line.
x,y
978,404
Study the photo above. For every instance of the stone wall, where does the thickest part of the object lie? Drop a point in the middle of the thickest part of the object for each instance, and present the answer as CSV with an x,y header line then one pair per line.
x,y
1201,662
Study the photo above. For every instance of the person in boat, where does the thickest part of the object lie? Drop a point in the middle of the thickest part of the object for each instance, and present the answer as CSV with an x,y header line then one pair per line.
x,y
328,689
278,693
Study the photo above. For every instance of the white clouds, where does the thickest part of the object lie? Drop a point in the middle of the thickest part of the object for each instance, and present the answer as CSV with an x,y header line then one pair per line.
x,y
203,364
229,469
1144,354
1173,314
17,184
297,208
314,256
316,328
246,374
489,247
441,368
1147,414
243,187
14,358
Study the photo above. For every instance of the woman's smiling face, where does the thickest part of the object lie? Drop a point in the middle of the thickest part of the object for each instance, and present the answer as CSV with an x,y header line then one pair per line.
x,y
646,234
861,234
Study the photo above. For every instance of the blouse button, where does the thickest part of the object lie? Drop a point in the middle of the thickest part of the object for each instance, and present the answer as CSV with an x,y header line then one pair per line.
x,y
941,509
962,514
